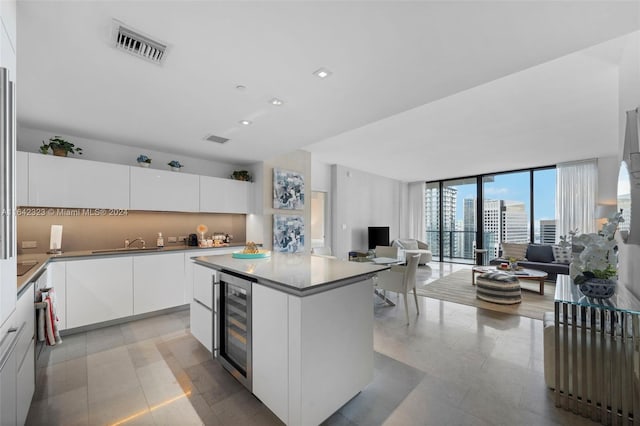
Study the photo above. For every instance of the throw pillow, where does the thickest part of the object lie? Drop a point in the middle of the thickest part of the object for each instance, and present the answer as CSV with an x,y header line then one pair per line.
x,y
540,253
409,244
562,254
516,250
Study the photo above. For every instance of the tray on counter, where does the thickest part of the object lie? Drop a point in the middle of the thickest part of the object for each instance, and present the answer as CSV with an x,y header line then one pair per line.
x,y
260,255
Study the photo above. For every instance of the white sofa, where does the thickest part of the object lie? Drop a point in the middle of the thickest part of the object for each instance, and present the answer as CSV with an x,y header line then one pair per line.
x,y
410,245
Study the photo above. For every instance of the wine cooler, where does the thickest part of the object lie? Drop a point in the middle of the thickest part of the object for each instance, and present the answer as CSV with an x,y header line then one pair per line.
x,y
235,326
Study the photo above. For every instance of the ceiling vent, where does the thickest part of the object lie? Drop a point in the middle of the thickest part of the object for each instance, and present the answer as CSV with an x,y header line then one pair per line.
x,y
216,139
134,42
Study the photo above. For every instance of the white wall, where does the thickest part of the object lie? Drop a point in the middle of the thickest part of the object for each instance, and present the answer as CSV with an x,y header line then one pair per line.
x,y
629,98
320,176
260,224
361,200
30,140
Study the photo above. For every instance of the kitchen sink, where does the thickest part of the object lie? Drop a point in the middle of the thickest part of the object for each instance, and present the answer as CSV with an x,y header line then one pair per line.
x,y
126,250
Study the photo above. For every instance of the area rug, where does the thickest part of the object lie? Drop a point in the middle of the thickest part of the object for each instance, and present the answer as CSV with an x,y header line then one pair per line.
x,y
457,288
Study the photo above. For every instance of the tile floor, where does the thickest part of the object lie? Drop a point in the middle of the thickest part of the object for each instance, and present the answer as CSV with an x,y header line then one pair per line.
x,y
454,365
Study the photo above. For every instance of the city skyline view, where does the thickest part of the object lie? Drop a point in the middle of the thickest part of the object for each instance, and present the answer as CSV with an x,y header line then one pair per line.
x,y
506,212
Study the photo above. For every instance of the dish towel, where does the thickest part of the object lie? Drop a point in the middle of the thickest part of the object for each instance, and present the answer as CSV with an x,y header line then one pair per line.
x,y
48,320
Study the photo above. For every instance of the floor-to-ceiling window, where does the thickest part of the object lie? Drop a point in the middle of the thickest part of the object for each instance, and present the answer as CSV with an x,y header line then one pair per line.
x,y
461,215
544,206
432,217
459,219
506,207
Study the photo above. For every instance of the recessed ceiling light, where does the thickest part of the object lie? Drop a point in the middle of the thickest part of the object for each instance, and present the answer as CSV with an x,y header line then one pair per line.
x,y
322,73
276,101
245,122
241,87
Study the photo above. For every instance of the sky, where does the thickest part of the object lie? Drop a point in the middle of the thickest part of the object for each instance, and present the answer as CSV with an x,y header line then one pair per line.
x,y
515,187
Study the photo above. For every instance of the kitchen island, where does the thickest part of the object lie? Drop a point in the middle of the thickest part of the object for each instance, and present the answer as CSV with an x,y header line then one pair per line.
x,y
312,331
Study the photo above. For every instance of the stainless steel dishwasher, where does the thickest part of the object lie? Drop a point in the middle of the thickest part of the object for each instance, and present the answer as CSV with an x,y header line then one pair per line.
x,y
235,326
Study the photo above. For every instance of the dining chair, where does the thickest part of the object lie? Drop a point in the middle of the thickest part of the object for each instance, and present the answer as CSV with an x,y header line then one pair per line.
x,y
401,279
387,251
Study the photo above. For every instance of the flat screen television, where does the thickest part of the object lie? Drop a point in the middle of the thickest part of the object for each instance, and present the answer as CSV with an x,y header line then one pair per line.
x,y
378,236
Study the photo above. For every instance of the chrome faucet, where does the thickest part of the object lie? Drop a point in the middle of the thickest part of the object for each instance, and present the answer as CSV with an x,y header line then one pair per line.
x,y
128,244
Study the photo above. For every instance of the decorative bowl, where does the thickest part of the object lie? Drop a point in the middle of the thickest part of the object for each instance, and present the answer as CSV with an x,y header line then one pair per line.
x,y
598,288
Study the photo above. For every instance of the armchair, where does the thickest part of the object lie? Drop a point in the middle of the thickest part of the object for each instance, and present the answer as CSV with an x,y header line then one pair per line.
x,y
411,246
401,279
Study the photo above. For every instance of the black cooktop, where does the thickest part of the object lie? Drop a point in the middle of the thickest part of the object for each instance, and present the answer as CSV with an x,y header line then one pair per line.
x,y
24,267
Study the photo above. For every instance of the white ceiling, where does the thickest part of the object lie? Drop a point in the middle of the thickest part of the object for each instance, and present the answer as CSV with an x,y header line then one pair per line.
x,y
420,90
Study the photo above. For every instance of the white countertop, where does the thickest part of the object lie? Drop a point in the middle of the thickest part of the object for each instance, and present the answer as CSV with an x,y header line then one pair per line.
x,y
297,274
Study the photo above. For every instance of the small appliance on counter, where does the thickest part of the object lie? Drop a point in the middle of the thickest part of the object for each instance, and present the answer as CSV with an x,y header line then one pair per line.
x,y
192,240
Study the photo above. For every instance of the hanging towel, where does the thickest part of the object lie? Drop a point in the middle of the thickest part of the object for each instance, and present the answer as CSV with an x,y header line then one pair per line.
x,y
48,320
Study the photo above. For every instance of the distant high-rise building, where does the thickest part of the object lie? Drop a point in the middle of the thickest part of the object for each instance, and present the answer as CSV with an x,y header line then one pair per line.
x,y
548,231
432,217
624,204
492,224
504,221
469,227
515,223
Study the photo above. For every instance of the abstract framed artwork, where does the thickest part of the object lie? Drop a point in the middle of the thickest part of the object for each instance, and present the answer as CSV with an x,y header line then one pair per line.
x,y
288,233
288,190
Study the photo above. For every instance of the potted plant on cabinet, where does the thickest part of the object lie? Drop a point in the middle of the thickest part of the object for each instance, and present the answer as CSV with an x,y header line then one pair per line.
x,y
175,165
60,147
241,175
143,160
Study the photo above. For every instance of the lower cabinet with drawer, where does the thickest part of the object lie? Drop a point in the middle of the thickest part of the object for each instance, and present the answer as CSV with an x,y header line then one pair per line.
x,y
204,307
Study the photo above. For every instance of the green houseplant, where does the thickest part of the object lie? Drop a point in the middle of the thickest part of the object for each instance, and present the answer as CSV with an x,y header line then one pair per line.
x,y
241,175
60,147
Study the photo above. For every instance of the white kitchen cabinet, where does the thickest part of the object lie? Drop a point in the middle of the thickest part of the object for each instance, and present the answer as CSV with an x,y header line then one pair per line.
x,y
25,384
22,178
8,376
158,282
204,306
202,324
99,290
218,195
163,191
189,265
72,182
270,346
7,60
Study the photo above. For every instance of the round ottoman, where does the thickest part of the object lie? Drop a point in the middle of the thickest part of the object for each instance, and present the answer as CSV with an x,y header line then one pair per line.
x,y
498,287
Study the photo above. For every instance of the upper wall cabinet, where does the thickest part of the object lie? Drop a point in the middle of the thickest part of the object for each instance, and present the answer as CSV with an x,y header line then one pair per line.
x,y
224,195
164,191
22,178
71,182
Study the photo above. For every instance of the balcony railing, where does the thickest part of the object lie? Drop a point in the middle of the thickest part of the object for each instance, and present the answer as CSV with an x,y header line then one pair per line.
x,y
459,245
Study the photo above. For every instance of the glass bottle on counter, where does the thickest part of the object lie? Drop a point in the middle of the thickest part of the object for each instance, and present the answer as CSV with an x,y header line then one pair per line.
x,y
160,240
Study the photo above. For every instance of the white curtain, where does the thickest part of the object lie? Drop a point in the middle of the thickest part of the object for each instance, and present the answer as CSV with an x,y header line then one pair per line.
x,y
576,192
416,211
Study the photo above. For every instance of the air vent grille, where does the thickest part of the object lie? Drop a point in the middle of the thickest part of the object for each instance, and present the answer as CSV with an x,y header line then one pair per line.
x,y
137,44
217,139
